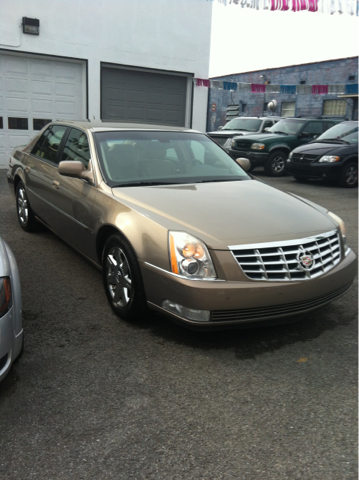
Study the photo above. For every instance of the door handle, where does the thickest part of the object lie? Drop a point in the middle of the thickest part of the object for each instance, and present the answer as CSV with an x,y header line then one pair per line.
x,y
55,185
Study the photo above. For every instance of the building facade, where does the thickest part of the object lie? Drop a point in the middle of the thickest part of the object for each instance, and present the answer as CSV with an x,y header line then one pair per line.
x,y
225,104
114,61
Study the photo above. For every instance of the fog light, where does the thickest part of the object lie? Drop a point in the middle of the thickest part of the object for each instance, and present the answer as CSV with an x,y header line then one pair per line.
x,y
189,313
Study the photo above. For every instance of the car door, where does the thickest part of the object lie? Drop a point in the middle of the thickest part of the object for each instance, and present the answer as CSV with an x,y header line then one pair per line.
x,y
310,131
75,196
40,172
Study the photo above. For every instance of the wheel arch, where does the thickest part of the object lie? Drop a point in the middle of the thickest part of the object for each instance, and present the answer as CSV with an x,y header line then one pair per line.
x,y
102,235
18,177
282,147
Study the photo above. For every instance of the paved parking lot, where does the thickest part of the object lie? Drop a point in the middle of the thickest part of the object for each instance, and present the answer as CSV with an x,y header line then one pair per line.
x,y
94,397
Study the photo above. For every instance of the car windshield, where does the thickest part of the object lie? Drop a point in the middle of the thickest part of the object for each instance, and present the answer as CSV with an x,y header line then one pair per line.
x,y
347,132
158,158
290,127
246,124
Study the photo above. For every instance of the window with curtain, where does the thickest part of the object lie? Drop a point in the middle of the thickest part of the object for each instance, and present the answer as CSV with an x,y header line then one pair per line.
x,y
288,109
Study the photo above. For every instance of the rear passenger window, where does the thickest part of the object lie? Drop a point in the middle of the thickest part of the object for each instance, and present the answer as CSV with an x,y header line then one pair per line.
x,y
77,147
49,143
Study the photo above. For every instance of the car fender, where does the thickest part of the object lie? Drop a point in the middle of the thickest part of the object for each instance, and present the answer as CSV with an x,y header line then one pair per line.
x,y
280,146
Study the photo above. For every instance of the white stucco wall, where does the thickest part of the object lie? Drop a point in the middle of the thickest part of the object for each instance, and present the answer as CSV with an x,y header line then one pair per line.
x,y
169,35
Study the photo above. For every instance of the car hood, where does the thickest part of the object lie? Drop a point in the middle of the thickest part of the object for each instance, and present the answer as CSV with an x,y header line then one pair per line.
x,y
227,213
262,137
320,148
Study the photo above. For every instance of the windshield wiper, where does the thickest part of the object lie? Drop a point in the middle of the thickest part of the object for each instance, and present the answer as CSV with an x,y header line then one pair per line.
x,y
216,180
143,184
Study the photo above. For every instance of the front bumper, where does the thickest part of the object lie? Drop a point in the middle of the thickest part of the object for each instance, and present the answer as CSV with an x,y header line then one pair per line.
x,y
328,171
236,303
257,158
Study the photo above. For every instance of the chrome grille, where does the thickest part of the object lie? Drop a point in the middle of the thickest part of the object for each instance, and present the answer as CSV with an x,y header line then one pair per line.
x,y
286,260
304,159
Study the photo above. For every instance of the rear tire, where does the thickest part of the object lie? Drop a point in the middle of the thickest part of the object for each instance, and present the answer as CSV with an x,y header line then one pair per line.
x,y
25,214
275,165
122,279
349,175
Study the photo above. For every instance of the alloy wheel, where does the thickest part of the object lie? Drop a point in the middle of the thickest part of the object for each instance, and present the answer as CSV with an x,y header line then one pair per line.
x,y
118,276
22,206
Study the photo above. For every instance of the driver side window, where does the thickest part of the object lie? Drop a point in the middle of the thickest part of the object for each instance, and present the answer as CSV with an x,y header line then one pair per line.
x,y
313,129
77,147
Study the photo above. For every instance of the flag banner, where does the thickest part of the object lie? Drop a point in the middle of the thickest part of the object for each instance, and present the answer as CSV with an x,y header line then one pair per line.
x,y
349,7
304,89
335,89
350,89
288,89
273,88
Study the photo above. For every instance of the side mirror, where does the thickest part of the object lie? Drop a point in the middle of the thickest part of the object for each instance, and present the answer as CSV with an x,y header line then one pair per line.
x,y
220,128
266,129
245,163
305,135
75,169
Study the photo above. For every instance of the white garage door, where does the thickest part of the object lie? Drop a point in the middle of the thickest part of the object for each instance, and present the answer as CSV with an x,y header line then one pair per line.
x,y
34,91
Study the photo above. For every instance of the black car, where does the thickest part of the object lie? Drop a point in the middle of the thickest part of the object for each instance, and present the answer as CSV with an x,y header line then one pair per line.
x,y
333,156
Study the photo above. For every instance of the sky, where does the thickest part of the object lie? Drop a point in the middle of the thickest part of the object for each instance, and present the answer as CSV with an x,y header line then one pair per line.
x,y
244,39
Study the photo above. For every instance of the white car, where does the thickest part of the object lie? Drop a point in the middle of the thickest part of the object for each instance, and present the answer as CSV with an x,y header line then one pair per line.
x,y
11,331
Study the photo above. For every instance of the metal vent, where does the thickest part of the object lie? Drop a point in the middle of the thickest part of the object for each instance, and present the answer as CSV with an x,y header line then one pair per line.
x,y
289,261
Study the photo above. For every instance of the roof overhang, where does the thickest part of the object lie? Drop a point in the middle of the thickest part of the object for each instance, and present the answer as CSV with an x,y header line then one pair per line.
x,y
349,95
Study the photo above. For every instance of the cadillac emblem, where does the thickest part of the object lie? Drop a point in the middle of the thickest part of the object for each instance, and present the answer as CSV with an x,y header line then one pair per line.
x,y
305,260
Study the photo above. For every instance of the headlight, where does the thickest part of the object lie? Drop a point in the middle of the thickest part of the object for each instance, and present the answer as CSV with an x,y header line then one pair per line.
x,y
189,256
290,155
257,146
343,230
5,295
329,159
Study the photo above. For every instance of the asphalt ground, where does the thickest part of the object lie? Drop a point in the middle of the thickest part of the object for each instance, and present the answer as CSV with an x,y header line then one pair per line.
x,y
94,397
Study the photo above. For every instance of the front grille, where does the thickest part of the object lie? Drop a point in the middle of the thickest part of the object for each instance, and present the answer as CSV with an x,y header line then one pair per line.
x,y
275,311
304,159
290,261
242,145
3,361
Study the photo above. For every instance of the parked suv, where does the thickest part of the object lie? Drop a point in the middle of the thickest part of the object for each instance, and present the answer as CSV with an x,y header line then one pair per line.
x,y
241,126
272,149
332,156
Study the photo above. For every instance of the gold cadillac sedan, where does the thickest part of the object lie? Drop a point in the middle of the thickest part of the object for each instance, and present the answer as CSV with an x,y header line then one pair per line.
x,y
178,226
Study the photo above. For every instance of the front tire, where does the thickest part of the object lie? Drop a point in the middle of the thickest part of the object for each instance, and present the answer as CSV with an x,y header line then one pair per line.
x,y
122,279
275,165
349,175
25,214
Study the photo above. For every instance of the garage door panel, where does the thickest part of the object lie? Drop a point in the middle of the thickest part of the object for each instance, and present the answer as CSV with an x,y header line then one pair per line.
x,y
14,106
16,66
16,85
37,88
65,89
143,96
41,87
40,107
18,139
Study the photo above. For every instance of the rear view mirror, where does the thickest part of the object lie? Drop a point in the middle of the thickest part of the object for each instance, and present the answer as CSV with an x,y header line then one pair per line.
x,y
245,163
75,169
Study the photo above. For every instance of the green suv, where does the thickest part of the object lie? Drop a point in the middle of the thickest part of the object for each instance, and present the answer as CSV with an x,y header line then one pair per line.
x,y
272,149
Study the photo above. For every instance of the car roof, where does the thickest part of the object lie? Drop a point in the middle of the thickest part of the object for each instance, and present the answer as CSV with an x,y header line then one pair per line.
x,y
99,126
256,118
